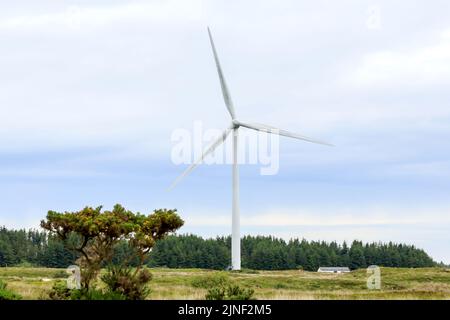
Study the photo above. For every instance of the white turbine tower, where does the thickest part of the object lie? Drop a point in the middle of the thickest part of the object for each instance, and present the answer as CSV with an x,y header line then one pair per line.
x,y
234,127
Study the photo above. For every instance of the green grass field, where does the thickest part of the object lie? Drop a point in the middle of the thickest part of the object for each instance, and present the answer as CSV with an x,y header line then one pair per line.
x,y
397,283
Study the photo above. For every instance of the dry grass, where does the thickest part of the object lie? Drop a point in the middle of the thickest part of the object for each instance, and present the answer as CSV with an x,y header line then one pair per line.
x,y
30,289
176,292
397,283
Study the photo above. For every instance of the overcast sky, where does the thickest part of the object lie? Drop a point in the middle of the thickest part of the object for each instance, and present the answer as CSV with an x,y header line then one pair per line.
x,y
91,91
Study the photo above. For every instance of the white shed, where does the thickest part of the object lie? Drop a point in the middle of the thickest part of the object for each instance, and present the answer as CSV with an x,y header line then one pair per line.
x,y
333,269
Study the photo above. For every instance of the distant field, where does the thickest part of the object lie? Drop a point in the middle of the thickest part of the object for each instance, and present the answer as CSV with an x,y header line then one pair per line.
x,y
397,283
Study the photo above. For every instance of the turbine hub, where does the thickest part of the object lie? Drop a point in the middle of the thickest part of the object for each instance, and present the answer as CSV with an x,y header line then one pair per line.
x,y
235,124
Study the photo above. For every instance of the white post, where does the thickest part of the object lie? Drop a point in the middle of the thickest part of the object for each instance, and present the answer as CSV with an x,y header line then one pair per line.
x,y
235,233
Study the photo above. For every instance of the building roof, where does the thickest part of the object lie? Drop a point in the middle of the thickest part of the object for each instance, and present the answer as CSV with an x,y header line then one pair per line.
x,y
334,269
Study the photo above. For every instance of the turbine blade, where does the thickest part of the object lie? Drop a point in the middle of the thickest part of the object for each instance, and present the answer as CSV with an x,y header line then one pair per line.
x,y
205,153
281,132
223,84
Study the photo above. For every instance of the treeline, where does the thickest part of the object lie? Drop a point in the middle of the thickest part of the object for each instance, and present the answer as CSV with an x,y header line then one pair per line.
x,y
33,247
190,251
270,253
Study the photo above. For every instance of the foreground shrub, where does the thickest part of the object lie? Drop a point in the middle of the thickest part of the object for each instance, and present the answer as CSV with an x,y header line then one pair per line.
x,y
210,281
60,291
126,282
229,292
96,233
95,294
122,283
6,294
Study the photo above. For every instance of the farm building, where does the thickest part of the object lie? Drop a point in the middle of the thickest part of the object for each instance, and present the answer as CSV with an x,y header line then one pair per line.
x,y
333,269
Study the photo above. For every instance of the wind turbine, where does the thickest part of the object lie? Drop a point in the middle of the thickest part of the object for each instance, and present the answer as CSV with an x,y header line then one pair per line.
x,y
234,128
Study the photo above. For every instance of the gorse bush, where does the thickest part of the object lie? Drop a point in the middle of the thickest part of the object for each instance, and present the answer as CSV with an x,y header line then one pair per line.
x,y
221,287
229,292
210,281
235,292
60,291
95,234
6,294
127,282
122,283
95,294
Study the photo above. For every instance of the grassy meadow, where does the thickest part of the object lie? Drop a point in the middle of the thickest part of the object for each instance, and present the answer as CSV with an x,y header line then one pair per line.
x,y
397,283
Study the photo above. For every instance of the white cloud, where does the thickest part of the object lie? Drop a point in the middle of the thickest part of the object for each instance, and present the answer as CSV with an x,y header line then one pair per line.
x,y
407,67
433,169
48,173
81,17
